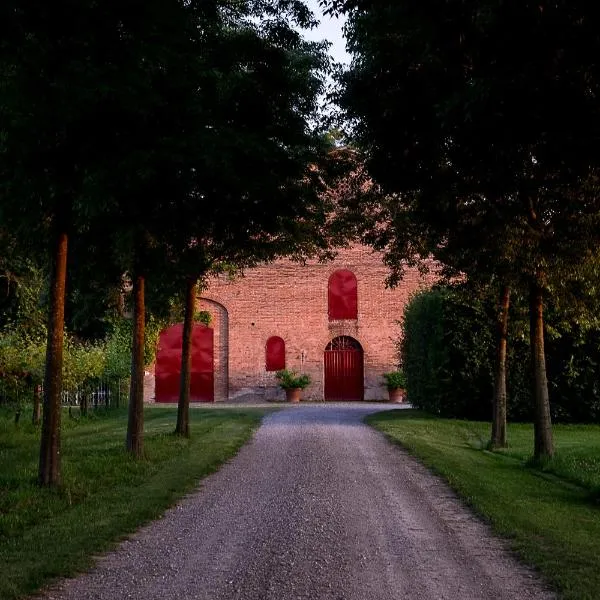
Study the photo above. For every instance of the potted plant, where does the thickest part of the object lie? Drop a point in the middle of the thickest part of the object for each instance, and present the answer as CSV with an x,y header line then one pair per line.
x,y
396,385
293,383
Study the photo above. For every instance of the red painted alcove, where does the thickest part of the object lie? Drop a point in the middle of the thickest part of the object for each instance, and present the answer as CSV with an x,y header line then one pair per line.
x,y
168,365
342,295
275,354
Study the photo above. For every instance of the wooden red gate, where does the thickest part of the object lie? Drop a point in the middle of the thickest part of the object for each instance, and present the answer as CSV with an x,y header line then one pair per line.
x,y
344,378
168,365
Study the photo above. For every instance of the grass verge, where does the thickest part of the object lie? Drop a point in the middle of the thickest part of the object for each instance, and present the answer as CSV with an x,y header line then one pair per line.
x,y
550,515
106,494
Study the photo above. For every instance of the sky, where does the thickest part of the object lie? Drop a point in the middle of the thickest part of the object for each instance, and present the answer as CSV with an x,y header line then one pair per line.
x,y
330,29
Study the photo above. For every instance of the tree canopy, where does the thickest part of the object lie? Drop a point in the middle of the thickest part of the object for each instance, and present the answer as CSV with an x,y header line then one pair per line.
x,y
136,132
480,123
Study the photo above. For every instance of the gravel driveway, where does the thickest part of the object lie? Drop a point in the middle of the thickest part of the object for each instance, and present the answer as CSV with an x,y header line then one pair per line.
x,y
317,506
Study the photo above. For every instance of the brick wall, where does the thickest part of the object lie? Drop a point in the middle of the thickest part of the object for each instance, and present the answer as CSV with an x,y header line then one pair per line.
x,y
290,300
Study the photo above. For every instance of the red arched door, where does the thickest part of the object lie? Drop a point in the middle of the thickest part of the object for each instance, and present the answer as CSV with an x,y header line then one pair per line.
x,y
344,369
168,365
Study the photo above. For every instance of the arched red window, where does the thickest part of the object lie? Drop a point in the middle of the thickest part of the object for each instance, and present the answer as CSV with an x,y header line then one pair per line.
x,y
342,295
275,353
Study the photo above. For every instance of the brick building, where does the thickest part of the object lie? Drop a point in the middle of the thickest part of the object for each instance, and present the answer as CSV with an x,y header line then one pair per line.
x,y
335,321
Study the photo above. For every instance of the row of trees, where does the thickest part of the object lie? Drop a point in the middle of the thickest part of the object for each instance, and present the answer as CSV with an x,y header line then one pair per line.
x,y
480,122
163,140
167,140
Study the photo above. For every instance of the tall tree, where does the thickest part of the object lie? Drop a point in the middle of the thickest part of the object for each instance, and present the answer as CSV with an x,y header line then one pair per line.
x,y
78,93
456,105
251,173
48,112
127,112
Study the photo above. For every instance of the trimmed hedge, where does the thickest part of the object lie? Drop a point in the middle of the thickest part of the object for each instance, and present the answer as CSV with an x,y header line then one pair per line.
x,y
448,354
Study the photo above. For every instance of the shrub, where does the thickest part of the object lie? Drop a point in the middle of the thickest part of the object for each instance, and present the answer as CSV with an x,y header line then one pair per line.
x,y
290,379
448,356
22,359
395,379
117,348
82,363
447,353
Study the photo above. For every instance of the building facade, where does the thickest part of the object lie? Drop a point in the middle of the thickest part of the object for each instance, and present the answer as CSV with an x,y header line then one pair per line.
x,y
335,321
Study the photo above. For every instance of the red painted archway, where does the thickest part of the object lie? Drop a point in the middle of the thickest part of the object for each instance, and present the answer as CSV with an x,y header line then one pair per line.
x,y
168,365
344,376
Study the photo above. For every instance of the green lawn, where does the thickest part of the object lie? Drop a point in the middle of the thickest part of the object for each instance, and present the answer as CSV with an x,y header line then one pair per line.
x,y
551,516
105,494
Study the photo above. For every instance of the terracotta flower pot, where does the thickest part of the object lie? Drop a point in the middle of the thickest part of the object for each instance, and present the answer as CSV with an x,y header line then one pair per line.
x,y
396,394
293,394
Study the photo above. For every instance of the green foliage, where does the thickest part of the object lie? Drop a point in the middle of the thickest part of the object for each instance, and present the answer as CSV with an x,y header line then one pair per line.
x,y
290,379
423,354
23,340
164,112
455,106
82,363
21,357
23,299
171,136
395,379
457,117
22,361
153,328
204,317
572,363
448,355
117,348
556,527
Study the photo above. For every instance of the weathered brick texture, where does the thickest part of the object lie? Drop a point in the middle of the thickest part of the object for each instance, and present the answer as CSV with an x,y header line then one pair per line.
x,y
290,300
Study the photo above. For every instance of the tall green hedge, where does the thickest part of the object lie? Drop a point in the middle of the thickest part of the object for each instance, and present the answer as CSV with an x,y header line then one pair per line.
x,y
448,352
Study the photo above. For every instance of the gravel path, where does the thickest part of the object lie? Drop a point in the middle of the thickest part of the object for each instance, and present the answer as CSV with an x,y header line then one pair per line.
x,y
317,506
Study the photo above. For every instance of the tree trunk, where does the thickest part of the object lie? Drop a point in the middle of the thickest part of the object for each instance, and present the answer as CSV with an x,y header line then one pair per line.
x,y
49,466
183,407
543,446
37,406
499,403
135,425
